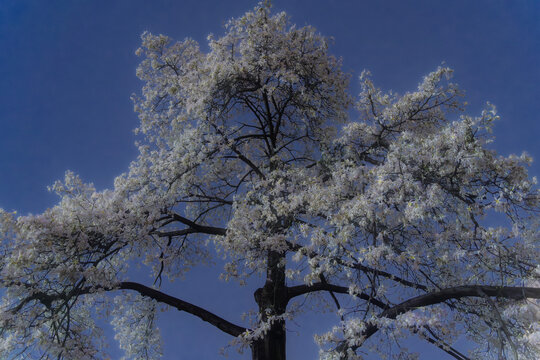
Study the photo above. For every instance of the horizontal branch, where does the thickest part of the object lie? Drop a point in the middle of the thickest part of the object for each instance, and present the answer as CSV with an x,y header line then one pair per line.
x,y
458,292
174,232
210,230
48,300
182,305
298,290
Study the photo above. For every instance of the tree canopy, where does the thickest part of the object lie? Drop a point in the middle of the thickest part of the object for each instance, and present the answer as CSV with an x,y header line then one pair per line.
x,y
390,209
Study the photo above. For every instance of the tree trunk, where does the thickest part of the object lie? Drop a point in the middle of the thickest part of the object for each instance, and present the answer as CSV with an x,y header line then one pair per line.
x,y
272,345
272,300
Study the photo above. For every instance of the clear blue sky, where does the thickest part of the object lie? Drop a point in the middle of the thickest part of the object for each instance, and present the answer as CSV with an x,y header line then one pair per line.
x,y
67,70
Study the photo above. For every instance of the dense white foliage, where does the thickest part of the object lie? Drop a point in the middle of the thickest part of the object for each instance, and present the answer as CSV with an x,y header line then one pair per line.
x,y
250,148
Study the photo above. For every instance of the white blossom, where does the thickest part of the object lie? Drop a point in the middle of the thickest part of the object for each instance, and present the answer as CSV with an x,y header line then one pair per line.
x,y
250,151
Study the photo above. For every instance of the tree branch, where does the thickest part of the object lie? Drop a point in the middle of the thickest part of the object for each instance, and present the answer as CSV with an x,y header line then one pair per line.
x,y
458,292
174,232
435,340
334,297
446,348
240,155
182,305
324,286
298,290
48,300
311,253
211,230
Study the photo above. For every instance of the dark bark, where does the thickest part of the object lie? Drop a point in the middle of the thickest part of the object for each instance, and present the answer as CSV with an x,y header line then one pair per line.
x,y
298,290
211,230
182,305
272,345
50,300
272,300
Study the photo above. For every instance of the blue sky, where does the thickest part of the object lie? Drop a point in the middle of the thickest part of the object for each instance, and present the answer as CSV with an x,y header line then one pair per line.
x,y
67,70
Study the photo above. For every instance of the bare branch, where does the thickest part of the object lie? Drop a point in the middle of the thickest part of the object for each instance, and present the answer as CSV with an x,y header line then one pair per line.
x,y
294,291
210,230
182,305
48,300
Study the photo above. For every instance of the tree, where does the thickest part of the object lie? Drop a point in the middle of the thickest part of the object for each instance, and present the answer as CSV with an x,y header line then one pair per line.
x,y
251,149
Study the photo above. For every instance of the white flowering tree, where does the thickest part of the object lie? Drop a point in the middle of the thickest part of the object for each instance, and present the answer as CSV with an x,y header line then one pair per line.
x,y
400,217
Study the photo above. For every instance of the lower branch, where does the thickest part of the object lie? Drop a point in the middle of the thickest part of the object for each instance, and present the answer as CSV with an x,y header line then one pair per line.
x,y
294,291
182,305
48,300
458,292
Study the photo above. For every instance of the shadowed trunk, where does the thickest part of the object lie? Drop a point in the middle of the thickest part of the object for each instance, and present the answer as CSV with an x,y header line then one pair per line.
x,y
272,345
272,300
